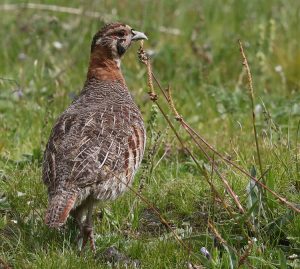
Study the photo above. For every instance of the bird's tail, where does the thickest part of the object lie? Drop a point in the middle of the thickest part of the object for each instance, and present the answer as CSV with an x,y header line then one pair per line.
x,y
59,208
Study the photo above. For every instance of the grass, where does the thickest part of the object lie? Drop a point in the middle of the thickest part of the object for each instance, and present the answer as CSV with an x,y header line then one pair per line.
x,y
203,66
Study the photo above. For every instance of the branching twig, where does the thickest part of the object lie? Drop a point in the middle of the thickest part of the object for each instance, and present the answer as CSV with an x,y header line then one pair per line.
x,y
144,59
281,199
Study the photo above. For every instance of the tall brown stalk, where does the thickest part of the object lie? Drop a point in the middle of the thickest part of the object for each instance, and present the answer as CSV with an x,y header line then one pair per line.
x,y
251,94
153,96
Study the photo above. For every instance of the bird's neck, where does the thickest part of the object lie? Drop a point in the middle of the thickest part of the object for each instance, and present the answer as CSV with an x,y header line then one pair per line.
x,y
104,67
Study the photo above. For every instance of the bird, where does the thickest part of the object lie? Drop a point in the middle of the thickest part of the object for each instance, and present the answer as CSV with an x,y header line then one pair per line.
x,y
97,144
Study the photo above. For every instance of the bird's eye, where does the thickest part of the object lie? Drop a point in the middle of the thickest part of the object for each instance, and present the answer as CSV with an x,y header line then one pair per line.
x,y
120,33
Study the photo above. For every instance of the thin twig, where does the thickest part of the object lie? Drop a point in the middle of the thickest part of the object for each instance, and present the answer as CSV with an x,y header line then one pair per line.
x,y
4,265
281,199
224,180
297,162
194,159
224,243
227,186
145,60
246,253
153,96
216,233
251,91
162,219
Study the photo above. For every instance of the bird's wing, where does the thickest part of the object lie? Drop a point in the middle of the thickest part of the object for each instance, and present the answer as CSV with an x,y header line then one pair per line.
x,y
90,146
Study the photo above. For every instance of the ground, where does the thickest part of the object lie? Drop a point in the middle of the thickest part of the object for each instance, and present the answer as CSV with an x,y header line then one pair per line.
x,y
193,44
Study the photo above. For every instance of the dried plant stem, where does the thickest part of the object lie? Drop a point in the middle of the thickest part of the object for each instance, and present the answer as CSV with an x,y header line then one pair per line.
x,y
251,91
193,158
246,253
171,103
218,236
153,96
281,199
168,96
216,233
224,180
162,219
198,140
144,59
4,265
297,162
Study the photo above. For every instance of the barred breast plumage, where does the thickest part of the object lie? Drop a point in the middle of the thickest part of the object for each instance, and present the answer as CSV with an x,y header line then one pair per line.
x,y
98,142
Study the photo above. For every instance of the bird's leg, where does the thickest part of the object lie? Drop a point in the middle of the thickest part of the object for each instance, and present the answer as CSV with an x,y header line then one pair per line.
x,y
87,228
78,215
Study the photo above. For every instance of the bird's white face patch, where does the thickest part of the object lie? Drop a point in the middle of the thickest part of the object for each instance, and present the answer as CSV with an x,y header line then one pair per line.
x,y
117,40
118,61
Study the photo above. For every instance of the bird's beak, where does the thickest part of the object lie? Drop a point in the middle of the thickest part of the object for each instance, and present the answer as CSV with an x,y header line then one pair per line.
x,y
138,35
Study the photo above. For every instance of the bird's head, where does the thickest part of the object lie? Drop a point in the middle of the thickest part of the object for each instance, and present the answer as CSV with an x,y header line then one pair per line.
x,y
115,38
108,46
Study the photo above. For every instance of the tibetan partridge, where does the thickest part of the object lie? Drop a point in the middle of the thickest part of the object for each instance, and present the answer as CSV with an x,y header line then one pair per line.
x,y
97,143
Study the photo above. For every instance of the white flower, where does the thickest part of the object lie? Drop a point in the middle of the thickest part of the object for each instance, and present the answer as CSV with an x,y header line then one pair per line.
x,y
20,194
278,68
58,45
258,109
205,252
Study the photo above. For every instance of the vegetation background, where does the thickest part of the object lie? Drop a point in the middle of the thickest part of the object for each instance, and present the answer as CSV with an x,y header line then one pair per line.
x,y
44,56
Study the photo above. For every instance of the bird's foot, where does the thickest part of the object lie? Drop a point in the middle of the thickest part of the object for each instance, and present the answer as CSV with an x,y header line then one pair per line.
x,y
86,234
